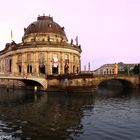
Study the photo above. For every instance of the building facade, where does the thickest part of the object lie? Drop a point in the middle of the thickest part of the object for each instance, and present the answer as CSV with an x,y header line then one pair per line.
x,y
109,69
44,50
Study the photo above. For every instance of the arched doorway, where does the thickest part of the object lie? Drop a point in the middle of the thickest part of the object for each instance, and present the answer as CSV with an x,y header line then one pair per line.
x,y
54,70
55,64
77,70
41,63
42,69
19,68
30,68
66,69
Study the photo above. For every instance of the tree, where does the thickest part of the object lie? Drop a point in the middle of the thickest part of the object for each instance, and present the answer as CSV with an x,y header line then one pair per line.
x,y
126,70
136,69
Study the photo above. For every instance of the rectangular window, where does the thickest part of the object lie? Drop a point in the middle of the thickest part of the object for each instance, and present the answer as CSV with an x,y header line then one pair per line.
x,y
19,58
55,60
28,57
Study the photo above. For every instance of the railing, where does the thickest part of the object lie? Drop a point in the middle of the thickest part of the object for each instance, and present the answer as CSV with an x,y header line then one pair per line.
x,y
62,76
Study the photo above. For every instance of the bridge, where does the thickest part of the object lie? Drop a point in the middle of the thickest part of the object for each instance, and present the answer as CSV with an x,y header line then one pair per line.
x,y
36,80
69,80
90,80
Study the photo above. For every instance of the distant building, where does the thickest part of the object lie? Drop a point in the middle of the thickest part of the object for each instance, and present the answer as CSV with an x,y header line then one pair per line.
x,y
108,69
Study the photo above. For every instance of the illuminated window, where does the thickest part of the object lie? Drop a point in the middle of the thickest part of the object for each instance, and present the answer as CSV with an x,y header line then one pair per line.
x,y
50,25
55,60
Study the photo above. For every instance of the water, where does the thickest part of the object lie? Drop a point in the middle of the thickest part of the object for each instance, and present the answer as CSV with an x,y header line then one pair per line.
x,y
106,115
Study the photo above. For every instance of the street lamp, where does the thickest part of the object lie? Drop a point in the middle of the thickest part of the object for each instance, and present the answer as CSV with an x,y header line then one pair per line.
x,y
139,68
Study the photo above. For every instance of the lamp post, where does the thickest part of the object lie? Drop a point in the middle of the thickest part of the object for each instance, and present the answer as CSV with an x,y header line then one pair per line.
x,y
139,68
128,70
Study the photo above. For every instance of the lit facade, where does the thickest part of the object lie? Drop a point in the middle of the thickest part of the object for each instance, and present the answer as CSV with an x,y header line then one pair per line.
x,y
44,50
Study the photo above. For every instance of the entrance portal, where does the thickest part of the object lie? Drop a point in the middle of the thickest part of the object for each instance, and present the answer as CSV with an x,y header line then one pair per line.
x,y
55,70
42,69
66,69
19,68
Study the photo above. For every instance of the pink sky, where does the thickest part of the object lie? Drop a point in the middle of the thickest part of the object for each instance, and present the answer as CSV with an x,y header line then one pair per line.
x,y
108,30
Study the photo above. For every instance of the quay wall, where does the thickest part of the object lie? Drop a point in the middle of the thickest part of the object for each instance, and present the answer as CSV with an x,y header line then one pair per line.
x,y
10,83
14,83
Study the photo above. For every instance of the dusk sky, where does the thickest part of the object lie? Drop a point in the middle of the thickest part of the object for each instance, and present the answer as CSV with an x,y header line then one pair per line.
x,y
108,30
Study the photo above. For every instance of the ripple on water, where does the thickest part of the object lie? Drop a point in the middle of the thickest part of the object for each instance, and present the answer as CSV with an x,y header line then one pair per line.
x,y
111,119
71,117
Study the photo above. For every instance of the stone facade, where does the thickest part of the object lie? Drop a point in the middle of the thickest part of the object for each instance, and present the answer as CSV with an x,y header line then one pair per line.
x,y
44,50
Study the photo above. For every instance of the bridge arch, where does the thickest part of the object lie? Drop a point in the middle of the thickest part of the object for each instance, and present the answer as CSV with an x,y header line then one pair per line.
x,y
31,83
36,82
40,81
116,82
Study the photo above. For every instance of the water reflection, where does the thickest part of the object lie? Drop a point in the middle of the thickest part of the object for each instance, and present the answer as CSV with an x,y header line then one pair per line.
x,y
108,92
114,116
13,97
25,114
30,115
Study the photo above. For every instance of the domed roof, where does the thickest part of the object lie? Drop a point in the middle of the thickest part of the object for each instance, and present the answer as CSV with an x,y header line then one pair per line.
x,y
44,24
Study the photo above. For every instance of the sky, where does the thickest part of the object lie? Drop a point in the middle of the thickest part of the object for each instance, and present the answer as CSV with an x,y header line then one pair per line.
x,y
108,30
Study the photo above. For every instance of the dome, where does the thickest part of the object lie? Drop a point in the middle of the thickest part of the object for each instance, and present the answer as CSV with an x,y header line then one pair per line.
x,y
44,24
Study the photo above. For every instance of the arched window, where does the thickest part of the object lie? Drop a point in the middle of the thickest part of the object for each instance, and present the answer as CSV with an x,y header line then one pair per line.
x,y
73,58
29,68
10,65
107,71
41,58
66,66
19,68
74,69
55,64
110,71
77,70
42,69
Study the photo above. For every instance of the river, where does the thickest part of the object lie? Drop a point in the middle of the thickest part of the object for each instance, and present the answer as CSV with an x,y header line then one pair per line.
x,y
102,115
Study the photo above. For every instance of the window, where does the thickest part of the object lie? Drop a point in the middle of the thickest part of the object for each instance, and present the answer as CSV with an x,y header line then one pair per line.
x,y
66,57
29,68
28,57
41,58
19,69
55,60
73,58
50,25
19,58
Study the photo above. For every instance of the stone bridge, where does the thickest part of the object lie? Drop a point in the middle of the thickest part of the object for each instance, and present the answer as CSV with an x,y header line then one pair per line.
x,y
85,80
41,80
72,80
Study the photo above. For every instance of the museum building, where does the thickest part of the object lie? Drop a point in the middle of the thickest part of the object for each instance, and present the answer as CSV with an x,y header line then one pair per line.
x,y
44,50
